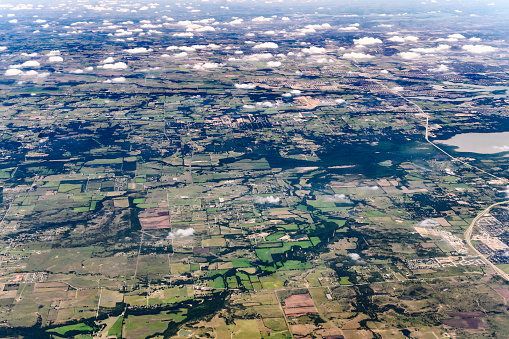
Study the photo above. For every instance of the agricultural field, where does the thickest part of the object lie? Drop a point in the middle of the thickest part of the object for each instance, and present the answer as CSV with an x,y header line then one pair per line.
x,y
233,169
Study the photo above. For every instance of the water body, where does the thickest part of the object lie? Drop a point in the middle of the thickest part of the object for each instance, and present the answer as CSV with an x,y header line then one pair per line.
x,y
484,143
468,88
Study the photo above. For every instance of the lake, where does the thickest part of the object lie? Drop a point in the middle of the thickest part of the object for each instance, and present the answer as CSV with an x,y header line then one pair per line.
x,y
485,143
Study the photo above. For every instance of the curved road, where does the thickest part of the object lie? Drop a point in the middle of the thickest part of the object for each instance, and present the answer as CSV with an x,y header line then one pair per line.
x,y
468,235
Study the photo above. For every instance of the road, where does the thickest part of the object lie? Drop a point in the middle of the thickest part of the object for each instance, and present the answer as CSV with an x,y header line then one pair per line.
x,y
468,236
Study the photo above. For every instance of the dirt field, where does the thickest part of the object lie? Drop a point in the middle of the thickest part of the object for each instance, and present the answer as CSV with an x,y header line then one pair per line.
x,y
298,305
504,292
154,218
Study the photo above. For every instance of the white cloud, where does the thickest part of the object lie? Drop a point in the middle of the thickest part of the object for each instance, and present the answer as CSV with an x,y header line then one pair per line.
x,y
478,49
187,49
431,50
13,72
118,80
181,233
55,59
31,64
349,28
408,38
205,29
108,60
314,50
180,55
236,22
473,39
271,45
261,19
184,35
53,53
456,36
440,68
116,66
429,223
267,200
138,50
337,197
13,21
354,256
285,18
367,41
30,73
273,64
205,66
3,48
245,86
357,56
322,26
258,57
409,55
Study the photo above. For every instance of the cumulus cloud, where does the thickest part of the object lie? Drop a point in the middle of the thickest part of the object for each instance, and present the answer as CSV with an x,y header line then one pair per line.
x,y
261,19
55,59
409,55
53,53
180,55
13,72
457,36
183,35
429,223
273,64
245,86
206,66
367,41
354,256
236,22
440,68
108,60
479,49
408,38
313,50
115,66
431,50
452,37
267,200
118,80
357,56
271,45
348,28
322,26
337,198
30,64
181,233
138,50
